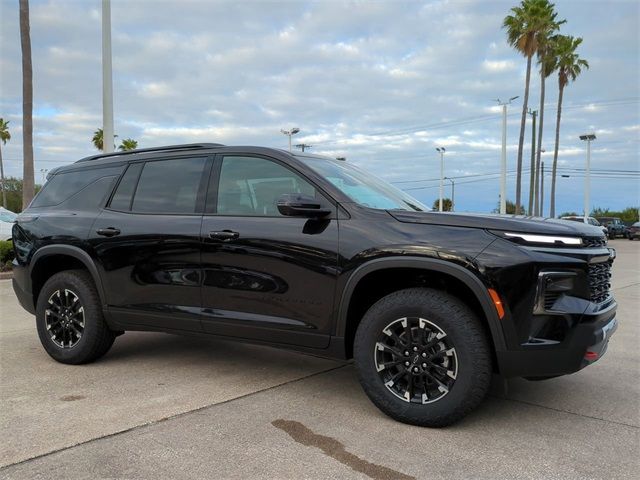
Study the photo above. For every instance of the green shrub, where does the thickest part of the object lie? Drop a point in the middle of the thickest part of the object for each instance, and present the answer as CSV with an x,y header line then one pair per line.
x,y
6,251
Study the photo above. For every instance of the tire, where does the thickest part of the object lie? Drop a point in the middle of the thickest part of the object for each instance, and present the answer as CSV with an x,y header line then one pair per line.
x,y
86,336
465,345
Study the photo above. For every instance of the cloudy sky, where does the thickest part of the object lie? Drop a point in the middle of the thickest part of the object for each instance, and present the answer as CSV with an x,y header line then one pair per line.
x,y
380,82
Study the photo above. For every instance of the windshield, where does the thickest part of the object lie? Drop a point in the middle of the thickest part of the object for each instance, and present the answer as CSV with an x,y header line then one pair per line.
x,y
362,187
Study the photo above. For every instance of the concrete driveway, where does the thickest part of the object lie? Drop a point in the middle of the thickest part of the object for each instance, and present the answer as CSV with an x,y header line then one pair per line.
x,y
161,406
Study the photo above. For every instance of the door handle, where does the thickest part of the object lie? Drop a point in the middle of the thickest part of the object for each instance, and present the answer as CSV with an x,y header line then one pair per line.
x,y
224,235
108,232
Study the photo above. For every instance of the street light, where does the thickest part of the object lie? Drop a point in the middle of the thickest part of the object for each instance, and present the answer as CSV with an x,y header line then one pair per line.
x,y
503,169
290,133
441,151
453,192
589,137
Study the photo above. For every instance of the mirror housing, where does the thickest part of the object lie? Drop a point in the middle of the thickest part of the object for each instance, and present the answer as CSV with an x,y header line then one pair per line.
x,y
300,205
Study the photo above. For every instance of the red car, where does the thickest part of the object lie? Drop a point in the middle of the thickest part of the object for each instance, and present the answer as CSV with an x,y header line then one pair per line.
x,y
633,231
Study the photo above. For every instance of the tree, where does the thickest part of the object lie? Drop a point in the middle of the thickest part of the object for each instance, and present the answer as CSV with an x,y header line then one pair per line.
x,y
511,208
447,204
527,23
5,136
98,141
28,190
569,66
13,189
128,144
548,64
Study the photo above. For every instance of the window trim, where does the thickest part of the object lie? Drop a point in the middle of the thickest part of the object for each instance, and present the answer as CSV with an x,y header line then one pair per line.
x,y
211,206
200,195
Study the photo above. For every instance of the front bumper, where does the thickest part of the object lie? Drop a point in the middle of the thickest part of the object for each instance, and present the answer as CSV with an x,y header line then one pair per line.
x,y
585,344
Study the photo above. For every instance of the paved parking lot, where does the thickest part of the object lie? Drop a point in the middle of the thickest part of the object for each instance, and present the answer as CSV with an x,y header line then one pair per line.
x,y
161,406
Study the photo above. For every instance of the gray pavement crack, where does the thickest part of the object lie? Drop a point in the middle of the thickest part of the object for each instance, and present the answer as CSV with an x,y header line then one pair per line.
x,y
567,412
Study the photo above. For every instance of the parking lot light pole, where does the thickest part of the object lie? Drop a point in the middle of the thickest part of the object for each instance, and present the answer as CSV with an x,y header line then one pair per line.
x,y
589,137
503,163
290,133
453,193
441,150
107,80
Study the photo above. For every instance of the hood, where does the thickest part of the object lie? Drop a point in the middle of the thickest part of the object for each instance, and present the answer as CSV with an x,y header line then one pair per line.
x,y
512,223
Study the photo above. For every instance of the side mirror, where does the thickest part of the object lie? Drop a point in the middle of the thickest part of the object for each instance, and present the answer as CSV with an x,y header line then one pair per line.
x,y
300,205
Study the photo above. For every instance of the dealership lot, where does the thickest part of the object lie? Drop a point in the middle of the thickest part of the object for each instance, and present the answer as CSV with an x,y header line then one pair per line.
x,y
161,406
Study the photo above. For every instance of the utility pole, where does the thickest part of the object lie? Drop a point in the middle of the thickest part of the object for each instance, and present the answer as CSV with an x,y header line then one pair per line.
x,y
589,137
534,114
453,193
303,146
536,193
542,189
441,150
503,164
290,133
107,80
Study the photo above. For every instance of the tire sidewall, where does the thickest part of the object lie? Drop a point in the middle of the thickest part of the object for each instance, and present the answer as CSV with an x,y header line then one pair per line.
x,y
92,315
378,317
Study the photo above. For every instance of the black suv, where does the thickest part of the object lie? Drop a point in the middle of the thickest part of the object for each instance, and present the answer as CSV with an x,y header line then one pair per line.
x,y
310,253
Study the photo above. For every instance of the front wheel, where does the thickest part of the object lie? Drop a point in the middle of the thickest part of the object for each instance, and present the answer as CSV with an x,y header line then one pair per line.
x,y
423,357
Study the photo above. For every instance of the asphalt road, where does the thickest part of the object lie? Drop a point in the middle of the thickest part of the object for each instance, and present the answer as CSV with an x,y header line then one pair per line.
x,y
162,406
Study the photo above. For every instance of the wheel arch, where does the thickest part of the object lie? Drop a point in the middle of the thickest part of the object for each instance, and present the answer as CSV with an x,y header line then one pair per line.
x,y
47,261
457,272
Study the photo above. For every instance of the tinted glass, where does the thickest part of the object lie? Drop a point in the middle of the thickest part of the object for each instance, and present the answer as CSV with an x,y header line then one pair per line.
x,y
169,186
251,186
362,187
64,185
124,193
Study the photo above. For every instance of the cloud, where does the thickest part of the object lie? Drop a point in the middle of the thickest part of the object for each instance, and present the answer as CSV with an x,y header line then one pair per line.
x,y
380,82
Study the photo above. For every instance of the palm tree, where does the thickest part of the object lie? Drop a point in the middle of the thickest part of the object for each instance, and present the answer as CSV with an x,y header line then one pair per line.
x,y
97,139
547,62
526,24
5,136
28,180
569,66
128,144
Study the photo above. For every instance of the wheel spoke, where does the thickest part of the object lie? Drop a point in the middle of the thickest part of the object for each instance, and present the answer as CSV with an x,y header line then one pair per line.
x,y
430,368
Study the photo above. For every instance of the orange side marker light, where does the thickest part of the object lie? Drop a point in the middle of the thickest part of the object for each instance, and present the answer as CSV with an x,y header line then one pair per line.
x,y
497,303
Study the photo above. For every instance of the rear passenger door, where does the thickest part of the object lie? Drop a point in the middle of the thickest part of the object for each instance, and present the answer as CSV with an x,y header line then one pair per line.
x,y
147,241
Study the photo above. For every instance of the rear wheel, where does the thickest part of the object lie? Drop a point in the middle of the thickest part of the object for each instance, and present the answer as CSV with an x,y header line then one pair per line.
x,y
69,318
423,357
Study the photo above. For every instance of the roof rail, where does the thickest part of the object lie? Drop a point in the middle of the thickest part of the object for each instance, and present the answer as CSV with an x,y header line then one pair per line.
x,y
167,148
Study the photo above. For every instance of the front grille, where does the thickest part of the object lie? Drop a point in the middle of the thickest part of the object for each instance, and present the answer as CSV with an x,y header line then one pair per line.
x,y
599,281
550,299
592,242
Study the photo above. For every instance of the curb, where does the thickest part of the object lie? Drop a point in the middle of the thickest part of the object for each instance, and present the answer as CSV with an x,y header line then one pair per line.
x,y
6,275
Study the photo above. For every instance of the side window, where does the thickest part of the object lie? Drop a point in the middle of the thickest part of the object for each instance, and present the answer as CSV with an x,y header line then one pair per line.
x,y
63,186
124,193
250,186
169,186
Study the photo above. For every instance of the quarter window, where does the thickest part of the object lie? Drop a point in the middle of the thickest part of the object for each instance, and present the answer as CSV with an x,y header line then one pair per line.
x,y
169,186
251,186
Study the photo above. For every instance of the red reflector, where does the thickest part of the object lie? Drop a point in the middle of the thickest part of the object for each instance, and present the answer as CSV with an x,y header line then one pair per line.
x,y
497,302
591,356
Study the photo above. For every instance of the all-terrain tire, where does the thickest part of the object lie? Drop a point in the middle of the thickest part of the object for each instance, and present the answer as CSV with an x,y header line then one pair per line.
x,y
96,338
464,332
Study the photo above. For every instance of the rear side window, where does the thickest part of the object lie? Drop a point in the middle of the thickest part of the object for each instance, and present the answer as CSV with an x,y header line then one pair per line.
x,y
63,186
169,186
124,193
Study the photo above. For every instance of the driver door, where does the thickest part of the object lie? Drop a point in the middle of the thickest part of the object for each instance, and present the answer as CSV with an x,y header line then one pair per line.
x,y
266,276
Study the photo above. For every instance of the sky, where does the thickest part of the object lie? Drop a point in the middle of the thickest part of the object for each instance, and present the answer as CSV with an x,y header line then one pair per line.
x,y
382,83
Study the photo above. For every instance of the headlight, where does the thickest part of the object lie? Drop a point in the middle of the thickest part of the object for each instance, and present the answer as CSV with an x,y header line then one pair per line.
x,y
530,238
